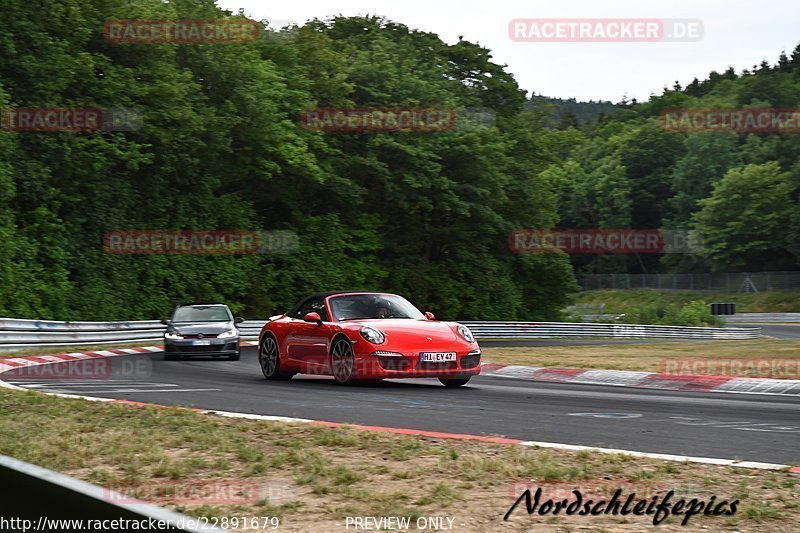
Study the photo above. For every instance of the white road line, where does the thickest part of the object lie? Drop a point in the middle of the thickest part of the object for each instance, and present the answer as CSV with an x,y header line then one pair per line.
x,y
79,397
748,392
252,416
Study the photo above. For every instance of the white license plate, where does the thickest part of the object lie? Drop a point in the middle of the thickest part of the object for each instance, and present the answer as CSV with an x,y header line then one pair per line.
x,y
431,357
201,343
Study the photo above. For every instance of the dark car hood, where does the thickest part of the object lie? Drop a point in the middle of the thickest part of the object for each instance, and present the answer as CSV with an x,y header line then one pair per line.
x,y
206,328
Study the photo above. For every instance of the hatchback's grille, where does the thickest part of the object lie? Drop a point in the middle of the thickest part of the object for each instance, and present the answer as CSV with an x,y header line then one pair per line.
x,y
192,349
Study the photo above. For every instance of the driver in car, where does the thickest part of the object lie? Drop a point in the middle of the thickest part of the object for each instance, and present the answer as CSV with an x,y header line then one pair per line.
x,y
382,308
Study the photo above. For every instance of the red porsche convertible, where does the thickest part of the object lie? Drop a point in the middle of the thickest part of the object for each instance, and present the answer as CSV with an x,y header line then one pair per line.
x,y
361,336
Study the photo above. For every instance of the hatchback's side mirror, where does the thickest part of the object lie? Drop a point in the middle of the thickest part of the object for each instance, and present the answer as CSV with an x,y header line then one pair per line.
x,y
238,320
313,317
165,322
429,315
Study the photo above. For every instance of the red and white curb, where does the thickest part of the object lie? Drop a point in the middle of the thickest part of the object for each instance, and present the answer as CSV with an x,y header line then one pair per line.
x,y
35,360
646,380
561,375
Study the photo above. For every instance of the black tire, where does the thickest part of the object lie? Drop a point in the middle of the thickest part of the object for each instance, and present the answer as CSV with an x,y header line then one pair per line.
x,y
234,357
169,357
454,382
269,359
343,362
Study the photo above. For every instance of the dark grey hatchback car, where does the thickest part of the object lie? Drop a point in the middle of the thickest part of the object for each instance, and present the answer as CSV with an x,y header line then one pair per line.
x,y
202,329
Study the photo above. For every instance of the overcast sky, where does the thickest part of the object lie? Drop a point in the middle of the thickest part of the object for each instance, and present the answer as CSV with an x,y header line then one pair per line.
x,y
736,33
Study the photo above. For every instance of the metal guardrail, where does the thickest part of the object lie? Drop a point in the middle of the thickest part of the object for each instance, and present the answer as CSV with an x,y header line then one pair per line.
x,y
43,498
22,324
550,330
20,334
723,282
764,318
17,334
601,318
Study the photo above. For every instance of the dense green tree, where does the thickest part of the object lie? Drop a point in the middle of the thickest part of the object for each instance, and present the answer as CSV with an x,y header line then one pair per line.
x,y
743,222
220,147
708,157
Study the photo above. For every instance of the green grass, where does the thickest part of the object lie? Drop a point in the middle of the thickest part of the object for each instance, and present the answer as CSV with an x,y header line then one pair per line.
x,y
658,357
623,301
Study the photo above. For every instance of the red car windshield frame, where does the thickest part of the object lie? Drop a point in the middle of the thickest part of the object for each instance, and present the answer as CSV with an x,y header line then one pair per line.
x,y
334,318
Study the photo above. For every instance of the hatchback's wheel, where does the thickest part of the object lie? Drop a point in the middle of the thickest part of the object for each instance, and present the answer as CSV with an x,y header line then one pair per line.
x,y
454,382
234,357
269,359
343,362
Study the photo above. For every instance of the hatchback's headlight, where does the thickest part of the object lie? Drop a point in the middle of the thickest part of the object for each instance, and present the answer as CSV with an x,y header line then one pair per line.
x,y
231,333
465,333
372,335
173,336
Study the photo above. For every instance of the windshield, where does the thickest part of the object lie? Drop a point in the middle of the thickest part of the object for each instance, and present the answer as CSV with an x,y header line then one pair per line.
x,y
368,306
214,313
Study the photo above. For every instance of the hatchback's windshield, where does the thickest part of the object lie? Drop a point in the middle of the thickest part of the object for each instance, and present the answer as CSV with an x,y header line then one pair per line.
x,y
362,306
201,314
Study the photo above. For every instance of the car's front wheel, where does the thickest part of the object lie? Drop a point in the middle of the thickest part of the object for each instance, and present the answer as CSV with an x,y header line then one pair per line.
x,y
270,360
454,382
234,357
343,362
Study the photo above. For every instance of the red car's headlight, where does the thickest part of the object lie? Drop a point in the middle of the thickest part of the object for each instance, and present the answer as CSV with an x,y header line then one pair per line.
x,y
465,333
372,335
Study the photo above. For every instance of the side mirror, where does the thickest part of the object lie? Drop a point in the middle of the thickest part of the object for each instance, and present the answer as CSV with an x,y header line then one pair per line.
x,y
238,320
165,322
313,317
429,315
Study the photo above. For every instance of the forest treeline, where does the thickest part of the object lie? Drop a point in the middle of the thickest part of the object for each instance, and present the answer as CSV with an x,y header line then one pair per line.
x,y
425,214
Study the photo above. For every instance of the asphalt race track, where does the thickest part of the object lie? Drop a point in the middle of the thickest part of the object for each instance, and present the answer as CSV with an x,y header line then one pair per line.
x,y
779,331
729,426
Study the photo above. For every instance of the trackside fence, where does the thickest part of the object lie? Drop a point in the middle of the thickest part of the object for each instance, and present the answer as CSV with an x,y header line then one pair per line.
x,y
720,282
